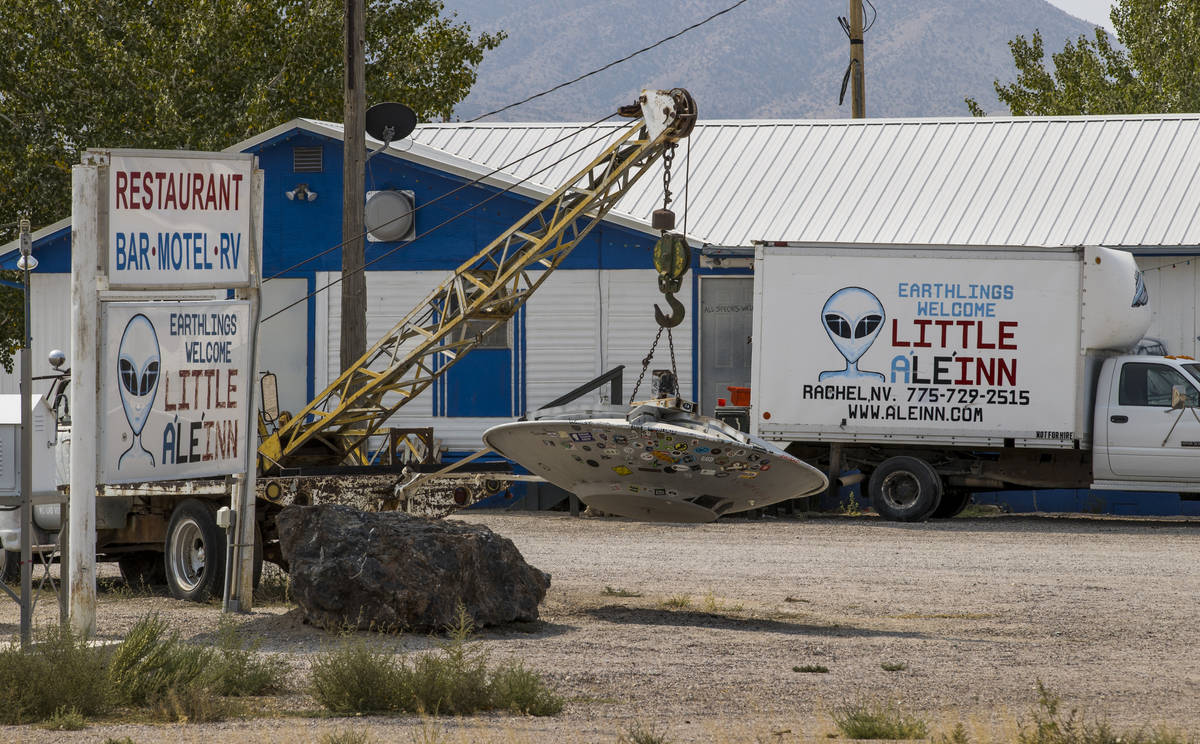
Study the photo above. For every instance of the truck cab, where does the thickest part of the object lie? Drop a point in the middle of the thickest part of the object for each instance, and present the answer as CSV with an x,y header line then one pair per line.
x,y
1146,430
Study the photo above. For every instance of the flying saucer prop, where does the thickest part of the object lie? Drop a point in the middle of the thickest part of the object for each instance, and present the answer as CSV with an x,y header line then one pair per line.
x,y
656,463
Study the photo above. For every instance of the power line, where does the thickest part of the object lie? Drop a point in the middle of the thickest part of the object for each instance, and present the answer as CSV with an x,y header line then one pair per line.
x,y
452,192
610,64
439,226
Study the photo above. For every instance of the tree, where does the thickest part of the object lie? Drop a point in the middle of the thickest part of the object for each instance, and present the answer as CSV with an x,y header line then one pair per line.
x,y
199,75
1157,71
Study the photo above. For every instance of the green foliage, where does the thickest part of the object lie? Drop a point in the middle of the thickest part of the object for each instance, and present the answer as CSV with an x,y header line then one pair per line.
x,y
1157,71
811,669
122,740
239,669
65,719
893,666
60,672
198,75
958,735
193,703
619,592
863,721
678,602
151,663
345,736
1050,724
453,680
352,678
641,733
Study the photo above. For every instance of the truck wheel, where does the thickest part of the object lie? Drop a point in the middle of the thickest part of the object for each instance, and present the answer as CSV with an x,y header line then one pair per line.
x,y
195,552
10,566
144,568
905,489
953,502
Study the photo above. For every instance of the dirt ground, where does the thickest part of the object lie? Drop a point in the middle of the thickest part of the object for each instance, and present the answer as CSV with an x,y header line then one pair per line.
x,y
1103,611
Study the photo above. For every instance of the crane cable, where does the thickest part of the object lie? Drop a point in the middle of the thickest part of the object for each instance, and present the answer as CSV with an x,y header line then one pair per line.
x,y
437,227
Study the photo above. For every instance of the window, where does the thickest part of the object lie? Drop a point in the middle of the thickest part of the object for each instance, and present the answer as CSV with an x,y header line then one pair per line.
x,y
497,339
1151,385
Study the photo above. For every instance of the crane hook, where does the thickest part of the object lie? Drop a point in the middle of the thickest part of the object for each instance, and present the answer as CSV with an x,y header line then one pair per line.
x,y
677,312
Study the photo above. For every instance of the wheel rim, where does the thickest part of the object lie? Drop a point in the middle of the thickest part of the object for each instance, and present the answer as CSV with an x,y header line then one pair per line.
x,y
187,554
901,489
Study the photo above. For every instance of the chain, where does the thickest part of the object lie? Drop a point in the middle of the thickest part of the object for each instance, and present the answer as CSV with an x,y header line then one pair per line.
x,y
668,156
647,360
674,371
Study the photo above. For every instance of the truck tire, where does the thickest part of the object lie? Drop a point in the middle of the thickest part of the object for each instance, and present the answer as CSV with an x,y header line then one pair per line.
x,y
953,502
905,489
194,557
142,569
10,566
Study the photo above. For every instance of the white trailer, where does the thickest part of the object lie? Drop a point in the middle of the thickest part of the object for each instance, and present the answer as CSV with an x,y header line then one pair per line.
x,y
942,370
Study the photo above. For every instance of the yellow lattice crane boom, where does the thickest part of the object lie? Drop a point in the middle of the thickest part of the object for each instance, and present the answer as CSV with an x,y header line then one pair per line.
x,y
479,297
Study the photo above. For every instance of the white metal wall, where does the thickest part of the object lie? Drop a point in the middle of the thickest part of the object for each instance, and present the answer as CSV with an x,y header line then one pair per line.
x,y
579,324
1173,286
390,295
50,310
629,299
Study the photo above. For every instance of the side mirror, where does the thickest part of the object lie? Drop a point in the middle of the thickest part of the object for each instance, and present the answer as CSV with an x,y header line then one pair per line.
x,y
1179,397
270,397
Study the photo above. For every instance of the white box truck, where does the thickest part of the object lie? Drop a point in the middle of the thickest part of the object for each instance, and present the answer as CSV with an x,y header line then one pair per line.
x,y
939,371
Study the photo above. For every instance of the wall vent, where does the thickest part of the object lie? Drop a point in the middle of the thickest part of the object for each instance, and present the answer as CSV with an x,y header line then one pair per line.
x,y
307,159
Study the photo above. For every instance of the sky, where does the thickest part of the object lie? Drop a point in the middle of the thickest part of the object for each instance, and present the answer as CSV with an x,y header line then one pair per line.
x,y
1093,11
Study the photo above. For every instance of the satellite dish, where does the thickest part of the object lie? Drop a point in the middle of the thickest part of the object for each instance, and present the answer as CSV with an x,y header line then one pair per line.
x,y
388,122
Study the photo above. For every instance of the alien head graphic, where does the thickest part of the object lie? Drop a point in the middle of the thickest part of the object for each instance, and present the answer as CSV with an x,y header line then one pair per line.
x,y
137,369
852,317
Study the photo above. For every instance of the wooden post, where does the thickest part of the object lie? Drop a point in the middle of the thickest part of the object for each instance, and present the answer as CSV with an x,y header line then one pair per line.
x,y
353,343
858,93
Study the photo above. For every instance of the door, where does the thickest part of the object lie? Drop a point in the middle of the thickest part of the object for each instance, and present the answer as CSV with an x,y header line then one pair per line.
x,y
726,316
283,340
1147,439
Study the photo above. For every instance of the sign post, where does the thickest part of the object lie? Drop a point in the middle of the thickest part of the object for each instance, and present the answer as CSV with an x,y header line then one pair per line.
x,y
165,387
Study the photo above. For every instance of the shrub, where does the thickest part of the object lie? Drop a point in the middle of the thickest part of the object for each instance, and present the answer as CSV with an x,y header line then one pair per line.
x,y
811,669
1052,726
678,602
65,719
619,592
346,737
640,733
893,666
875,722
514,688
193,703
453,680
239,670
149,663
354,679
59,672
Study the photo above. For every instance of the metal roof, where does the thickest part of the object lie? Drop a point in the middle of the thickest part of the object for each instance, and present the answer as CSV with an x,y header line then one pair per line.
x,y
1125,181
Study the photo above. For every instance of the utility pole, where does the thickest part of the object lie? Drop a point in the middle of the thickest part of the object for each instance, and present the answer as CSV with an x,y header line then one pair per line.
x,y
858,93
354,282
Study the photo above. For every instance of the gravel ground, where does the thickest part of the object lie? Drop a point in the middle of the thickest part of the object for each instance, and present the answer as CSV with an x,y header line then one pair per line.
x,y
1103,611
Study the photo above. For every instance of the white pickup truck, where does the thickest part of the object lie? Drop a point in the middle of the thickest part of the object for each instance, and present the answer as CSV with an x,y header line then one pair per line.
x,y
939,371
163,533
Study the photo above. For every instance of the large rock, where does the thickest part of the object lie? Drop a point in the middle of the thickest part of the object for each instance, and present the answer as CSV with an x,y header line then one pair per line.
x,y
394,571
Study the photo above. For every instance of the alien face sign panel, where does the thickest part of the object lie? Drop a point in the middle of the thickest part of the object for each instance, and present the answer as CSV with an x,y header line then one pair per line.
x,y
138,361
174,378
853,318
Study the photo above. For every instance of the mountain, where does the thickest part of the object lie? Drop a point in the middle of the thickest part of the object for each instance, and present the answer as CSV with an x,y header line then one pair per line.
x,y
764,59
